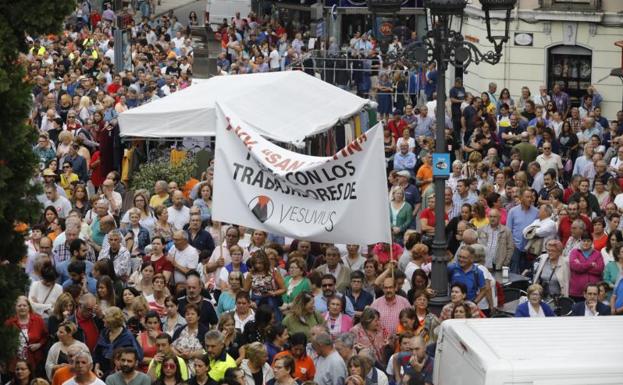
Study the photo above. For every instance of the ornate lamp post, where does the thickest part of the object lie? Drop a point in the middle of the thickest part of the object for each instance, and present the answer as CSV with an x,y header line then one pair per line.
x,y
443,45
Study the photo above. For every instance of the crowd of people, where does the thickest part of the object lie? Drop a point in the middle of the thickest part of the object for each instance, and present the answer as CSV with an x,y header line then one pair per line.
x,y
144,287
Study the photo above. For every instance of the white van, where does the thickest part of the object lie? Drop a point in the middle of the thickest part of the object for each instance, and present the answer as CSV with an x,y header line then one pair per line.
x,y
217,10
530,351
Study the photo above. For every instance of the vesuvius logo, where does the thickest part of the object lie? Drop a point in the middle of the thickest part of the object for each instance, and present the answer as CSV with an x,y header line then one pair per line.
x,y
262,207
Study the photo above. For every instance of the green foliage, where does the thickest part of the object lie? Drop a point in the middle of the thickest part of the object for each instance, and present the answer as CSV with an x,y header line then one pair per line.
x,y
162,169
17,162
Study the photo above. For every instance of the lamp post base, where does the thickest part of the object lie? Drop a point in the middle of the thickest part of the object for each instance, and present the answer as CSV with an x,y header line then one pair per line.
x,y
437,303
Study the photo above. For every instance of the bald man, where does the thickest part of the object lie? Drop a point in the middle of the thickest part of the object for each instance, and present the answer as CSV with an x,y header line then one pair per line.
x,y
179,214
470,237
183,256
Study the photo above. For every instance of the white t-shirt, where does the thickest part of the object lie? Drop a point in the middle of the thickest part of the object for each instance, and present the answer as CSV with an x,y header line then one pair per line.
x,y
179,218
188,258
179,43
483,304
410,142
239,323
72,381
275,59
61,204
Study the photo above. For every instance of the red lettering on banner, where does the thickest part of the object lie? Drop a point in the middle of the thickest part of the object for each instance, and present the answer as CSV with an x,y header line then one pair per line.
x,y
284,164
247,139
352,147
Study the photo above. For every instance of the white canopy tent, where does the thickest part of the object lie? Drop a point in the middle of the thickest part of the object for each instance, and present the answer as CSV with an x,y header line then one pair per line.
x,y
284,106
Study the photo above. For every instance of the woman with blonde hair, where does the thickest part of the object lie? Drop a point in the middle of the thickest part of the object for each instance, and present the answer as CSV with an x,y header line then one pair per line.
x,y
303,315
57,356
400,213
470,168
534,306
255,364
115,335
85,108
63,310
65,139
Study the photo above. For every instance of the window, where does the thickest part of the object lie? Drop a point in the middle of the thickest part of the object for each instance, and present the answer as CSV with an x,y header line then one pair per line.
x,y
571,5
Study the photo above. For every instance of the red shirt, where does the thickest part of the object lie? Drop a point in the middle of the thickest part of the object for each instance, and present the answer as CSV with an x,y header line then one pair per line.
x,y
564,229
397,128
162,264
600,243
384,255
566,194
113,88
91,332
429,215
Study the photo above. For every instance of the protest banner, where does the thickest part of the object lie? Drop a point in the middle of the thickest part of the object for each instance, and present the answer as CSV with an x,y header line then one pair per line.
x,y
338,199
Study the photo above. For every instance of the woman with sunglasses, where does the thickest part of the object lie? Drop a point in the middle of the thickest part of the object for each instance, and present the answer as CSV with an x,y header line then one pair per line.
x,y
170,373
68,179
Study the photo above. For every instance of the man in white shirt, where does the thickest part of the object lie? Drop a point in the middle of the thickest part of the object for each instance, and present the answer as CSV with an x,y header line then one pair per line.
x,y
549,160
113,197
178,40
545,227
179,215
183,256
221,256
60,203
490,300
274,59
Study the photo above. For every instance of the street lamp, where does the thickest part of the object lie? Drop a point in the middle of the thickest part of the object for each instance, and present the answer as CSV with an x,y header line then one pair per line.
x,y
443,45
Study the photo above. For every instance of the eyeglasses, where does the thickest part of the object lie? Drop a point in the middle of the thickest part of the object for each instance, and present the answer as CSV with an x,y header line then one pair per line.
x,y
327,285
66,166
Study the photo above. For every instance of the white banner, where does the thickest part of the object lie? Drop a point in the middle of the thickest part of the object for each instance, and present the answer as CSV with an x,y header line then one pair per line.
x,y
339,199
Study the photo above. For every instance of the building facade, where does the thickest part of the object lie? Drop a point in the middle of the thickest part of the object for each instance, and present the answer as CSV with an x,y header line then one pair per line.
x,y
569,42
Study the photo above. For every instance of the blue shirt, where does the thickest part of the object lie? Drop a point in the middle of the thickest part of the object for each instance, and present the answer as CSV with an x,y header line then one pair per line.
x,y
91,284
618,291
63,274
474,279
404,162
517,220
458,202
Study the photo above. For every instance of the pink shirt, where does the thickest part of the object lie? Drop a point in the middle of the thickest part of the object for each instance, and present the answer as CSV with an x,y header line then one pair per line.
x,y
390,311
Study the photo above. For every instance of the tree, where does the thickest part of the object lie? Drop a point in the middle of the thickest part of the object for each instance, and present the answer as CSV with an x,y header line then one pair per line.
x,y
18,202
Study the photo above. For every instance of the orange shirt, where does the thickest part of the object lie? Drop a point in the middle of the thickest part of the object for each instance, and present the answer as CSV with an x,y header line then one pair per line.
x,y
63,374
425,172
304,369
